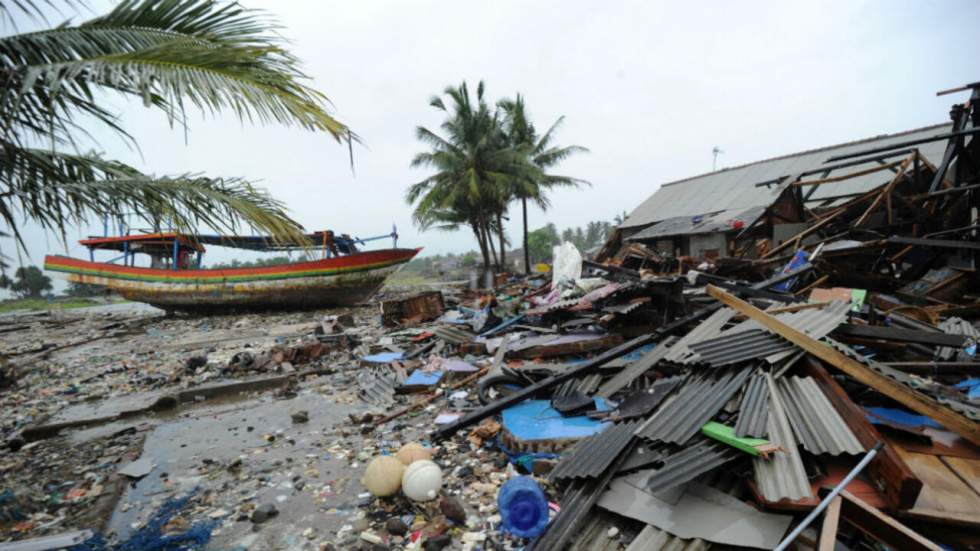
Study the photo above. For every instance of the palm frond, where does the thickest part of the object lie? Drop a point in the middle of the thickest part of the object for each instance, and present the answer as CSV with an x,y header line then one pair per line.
x,y
171,53
56,190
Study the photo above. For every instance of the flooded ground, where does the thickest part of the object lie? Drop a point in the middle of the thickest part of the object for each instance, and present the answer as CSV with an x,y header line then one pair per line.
x,y
235,451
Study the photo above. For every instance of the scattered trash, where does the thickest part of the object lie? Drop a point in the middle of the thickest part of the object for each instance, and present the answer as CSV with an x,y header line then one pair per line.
x,y
699,380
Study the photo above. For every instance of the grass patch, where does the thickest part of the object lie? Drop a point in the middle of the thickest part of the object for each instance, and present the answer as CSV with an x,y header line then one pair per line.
x,y
409,280
44,304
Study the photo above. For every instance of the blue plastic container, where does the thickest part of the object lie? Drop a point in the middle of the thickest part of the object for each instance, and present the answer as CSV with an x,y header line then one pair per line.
x,y
523,507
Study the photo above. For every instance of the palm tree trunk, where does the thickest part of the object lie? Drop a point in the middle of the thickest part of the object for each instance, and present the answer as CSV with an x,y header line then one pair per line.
x,y
488,236
527,255
483,244
503,242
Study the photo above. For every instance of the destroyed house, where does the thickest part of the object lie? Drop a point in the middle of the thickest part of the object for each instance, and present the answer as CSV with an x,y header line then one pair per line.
x,y
723,213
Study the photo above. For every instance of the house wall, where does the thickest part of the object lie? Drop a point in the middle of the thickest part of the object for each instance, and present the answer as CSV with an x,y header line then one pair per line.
x,y
714,244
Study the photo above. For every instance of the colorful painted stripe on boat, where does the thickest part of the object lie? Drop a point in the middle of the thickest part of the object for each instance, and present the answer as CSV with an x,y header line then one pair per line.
x,y
360,262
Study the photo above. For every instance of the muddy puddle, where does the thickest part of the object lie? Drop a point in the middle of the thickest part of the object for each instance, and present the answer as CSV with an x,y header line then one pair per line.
x,y
238,452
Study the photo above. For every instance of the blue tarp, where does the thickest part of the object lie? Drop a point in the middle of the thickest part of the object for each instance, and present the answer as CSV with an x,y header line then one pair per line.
x,y
900,417
537,420
423,378
383,357
972,388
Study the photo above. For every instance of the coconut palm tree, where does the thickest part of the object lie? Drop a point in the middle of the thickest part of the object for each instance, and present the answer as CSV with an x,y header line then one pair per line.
x,y
540,152
171,55
474,166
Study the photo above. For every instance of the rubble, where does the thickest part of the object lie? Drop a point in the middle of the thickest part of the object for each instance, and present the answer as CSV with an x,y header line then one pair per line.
x,y
639,400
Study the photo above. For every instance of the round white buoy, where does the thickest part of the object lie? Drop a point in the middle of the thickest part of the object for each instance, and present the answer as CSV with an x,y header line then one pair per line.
x,y
422,480
383,475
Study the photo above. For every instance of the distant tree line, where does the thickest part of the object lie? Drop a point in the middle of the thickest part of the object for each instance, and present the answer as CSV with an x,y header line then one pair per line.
x,y
28,282
541,240
273,261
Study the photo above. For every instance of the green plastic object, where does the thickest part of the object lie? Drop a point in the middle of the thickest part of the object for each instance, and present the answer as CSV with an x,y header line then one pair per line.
x,y
726,434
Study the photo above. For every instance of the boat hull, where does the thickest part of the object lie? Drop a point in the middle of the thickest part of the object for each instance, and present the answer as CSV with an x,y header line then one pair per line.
x,y
338,281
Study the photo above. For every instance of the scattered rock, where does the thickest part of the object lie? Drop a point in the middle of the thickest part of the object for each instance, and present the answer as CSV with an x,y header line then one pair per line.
x,y
453,509
437,543
264,513
396,526
300,416
195,362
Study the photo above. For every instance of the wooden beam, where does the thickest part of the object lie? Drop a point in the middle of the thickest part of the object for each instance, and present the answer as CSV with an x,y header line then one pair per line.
x,y
828,531
816,283
886,192
843,177
881,526
823,221
887,471
912,399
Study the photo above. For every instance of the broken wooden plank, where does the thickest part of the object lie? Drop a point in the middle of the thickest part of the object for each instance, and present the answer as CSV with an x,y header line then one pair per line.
x,y
912,399
841,178
945,497
828,531
881,526
569,348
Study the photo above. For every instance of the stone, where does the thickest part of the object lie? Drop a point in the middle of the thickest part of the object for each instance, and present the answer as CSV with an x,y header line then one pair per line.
x,y
300,416
396,526
195,362
263,513
437,543
453,509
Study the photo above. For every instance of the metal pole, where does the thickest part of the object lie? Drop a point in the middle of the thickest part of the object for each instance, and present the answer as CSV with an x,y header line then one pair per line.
x,y
830,497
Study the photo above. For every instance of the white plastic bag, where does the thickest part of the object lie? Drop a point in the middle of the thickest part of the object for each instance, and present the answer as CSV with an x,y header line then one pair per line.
x,y
567,264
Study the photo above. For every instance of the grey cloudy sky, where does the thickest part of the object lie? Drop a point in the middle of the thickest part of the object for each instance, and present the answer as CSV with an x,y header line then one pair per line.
x,y
649,87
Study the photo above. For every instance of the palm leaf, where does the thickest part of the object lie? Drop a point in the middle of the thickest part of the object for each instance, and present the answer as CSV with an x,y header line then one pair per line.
x,y
172,54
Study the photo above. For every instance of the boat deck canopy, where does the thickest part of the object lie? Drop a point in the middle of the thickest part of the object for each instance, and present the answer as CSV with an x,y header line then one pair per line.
x,y
146,243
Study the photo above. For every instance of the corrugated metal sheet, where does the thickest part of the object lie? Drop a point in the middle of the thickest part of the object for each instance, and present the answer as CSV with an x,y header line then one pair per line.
x,y
593,455
709,223
641,402
454,335
595,535
782,476
967,410
645,456
956,326
707,329
815,421
817,323
693,405
753,412
691,462
738,347
632,371
734,188
655,539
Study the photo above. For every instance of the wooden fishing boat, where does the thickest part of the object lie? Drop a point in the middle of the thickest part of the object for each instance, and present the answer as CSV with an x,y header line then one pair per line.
x,y
176,280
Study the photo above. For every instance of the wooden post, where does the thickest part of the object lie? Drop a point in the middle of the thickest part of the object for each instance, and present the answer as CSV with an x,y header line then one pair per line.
x,y
912,399
828,531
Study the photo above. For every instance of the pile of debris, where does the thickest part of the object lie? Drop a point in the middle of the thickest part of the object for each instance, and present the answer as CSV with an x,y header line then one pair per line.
x,y
817,392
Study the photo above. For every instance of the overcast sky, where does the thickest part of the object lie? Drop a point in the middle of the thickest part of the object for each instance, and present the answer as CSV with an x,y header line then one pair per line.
x,y
649,87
